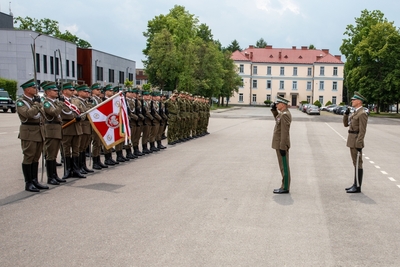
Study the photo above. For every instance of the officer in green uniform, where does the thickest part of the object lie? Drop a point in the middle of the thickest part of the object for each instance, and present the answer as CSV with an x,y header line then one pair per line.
x,y
133,121
84,105
120,146
148,121
140,123
53,131
281,141
173,120
357,123
96,141
31,133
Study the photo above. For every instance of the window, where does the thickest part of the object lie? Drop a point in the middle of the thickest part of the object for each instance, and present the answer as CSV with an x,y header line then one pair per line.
x,y
282,71
294,85
51,65
255,84
322,71
44,64
309,72
269,97
130,75
254,98
57,66
269,84
321,99
294,71
333,99
334,71
241,97
241,68
67,67
254,69
242,83
99,73
73,68
137,82
121,77
37,63
269,70
321,85
80,72
308,86
308,99
334,86
281,85
111,75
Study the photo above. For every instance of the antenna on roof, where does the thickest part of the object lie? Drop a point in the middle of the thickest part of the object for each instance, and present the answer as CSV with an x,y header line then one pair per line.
x,y
9,8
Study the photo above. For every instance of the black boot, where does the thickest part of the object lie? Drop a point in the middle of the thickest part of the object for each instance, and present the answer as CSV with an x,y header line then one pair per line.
x,y
34,169
159,145
83,162
96,165
144,149
55,175
80,164
129,153
354,183
120,158
67,168
137,152
26,170
122,155
108,160
357,189
153,148
101,163
49,170
111,158
76,172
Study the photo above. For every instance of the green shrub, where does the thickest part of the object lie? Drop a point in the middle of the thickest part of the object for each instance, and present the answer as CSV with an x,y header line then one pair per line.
x,y
317,103
328,103
10,86
268,102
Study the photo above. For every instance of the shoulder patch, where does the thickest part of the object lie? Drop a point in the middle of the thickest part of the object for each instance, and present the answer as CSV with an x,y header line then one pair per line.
x,y
20,103
47,104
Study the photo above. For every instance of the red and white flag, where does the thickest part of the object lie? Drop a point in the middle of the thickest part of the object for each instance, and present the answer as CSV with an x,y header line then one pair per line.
x,y
110,121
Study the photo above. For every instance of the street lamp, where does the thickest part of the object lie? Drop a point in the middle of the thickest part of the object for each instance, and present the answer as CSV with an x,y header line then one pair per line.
x,y
33,47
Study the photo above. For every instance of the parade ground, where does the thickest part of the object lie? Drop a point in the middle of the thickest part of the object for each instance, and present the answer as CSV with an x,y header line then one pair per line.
x,y
210,202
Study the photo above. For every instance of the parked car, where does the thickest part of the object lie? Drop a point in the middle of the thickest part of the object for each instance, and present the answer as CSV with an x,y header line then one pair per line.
x,y
6,102
340,110
327,107
305,106
366,110
312,109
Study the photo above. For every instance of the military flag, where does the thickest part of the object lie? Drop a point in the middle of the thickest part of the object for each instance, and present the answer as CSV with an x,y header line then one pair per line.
x,y
110,121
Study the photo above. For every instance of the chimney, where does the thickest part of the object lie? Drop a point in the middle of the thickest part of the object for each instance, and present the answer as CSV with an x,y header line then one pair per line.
x,y
294,47
280,54
268,47
251,46
246,54
304,48
251,55
338,57
319,57
326,51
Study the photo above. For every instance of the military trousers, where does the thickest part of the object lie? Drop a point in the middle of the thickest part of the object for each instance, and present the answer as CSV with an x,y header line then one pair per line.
x,y
70,145
154,130
353,153
84,142
284,168
52,146
31,151
96,144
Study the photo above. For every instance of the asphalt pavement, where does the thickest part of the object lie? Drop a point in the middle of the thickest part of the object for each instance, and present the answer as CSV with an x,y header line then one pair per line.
x,y
209,201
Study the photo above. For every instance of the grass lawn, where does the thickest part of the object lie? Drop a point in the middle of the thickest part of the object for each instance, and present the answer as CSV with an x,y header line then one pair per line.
x,y
385,115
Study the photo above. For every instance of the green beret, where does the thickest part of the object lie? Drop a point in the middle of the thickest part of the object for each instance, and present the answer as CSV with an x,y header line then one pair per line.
x,y
145,93
27,84
116,89
83,87
108,87
50,86
95,86
68,86
358,96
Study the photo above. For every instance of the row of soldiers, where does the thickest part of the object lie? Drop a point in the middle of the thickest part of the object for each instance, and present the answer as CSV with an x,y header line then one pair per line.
x,y
58,122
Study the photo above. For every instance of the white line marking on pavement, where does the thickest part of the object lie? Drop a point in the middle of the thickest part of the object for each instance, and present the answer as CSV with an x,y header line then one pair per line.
x,y
3,133
392,179
377,167
16,131
366,157
371,162
398,185
336,131
383,172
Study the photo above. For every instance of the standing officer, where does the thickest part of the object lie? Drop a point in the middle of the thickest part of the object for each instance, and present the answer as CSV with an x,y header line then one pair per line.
x,y
133,122
70,139
148,122
140,123
357,123
97,145
108,92
31,133
52,111
120,146
281,141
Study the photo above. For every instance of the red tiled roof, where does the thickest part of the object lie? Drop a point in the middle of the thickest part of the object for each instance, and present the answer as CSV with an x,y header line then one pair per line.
x,y
286,55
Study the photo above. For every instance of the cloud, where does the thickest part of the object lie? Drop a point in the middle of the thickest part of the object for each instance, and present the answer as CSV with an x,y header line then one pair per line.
x,y
277,6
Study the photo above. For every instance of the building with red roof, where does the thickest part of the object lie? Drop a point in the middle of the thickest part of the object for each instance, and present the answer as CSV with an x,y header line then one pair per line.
x,y
298,74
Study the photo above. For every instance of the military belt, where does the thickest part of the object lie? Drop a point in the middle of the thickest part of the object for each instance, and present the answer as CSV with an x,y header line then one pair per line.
x,y
353,132
53,122
30,123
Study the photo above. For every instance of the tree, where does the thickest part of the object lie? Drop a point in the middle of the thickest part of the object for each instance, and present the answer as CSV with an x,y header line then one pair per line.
x,y
311,47
261,43
204,32
234,46
49,27
231,80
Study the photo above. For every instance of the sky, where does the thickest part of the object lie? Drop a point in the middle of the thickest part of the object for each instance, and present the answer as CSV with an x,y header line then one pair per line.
x,y
117,27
